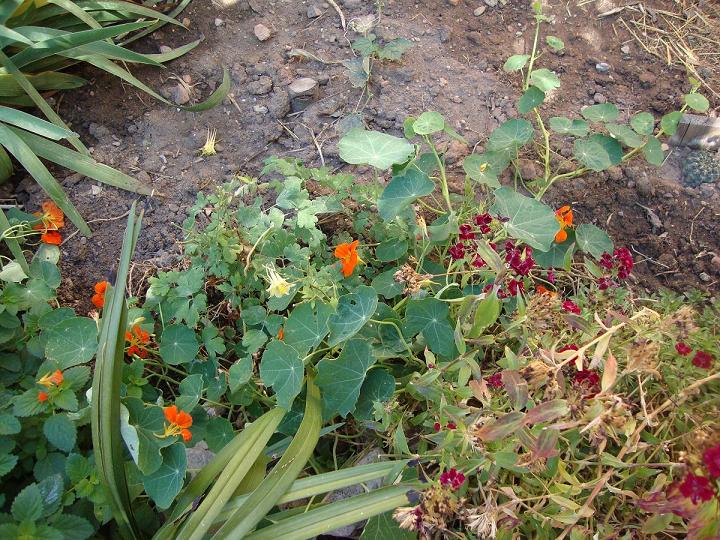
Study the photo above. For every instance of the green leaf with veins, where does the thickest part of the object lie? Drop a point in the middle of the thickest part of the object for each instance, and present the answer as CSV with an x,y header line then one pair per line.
x,y
306,326
393,50
653,152
555,43
379,387
340,379
365,45
669,122
527,219
545,79
428,123
565,126
533,97
605,112
71,342
361,147
598,153
430,316
510,136
643,123
282,369
516,62
697,102
593,240
402,191
163,485
353,311
625,135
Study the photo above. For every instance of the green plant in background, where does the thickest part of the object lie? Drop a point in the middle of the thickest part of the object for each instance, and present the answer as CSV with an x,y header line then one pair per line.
x,y
39,41
367,46
600,141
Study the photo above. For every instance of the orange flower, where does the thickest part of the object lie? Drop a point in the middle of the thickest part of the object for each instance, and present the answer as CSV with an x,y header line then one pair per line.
x,y
137,338
281,334
347,253
42,396
52,217
52,379
565,217
51,237
179,422
98,298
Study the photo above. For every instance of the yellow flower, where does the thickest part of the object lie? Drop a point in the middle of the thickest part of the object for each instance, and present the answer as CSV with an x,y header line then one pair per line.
x,y
279,286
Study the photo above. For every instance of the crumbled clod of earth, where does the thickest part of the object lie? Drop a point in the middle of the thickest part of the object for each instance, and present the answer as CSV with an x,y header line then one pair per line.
x,y
291,106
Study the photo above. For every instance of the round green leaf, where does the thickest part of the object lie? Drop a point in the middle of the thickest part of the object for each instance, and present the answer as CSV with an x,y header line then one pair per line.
x,y
643,123
391,250
669,122
697,102
361,147
386,285
282,369
428,123
555,43
625,135
565,126
353,311
378,387
516,62
72,342
164,484
480,168
593,240
544,79
653,152
532,98
511,135
219,433
178,344
430,316
605,112
598,153
306,326
61,432
402,191
9,425
528,220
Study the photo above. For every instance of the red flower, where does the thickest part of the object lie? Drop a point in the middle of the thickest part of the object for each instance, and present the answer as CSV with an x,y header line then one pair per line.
x,y
466,232
457,252
711,458
587,380
137,340
179,420
682,348
515,286
437,426
478,262
452,479
696,488
494,381
702,360
42,396
551,277
564,217
571,307
51,237
451,425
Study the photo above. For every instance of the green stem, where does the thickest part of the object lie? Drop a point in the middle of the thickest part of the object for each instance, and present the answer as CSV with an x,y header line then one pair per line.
x,y
443,176
533,56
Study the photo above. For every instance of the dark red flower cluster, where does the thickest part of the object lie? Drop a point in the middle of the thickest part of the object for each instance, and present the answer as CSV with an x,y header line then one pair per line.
x,y
683,349
619,265
711,459
452,479
483,221
467,233
494,381
588,381
520,261
702,360
437,426
696,488
571,307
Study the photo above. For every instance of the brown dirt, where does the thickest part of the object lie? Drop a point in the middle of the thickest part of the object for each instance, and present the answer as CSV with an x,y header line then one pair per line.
x,y
454,68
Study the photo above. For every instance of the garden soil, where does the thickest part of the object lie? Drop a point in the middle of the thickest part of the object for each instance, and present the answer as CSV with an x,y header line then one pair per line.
x,y
454,67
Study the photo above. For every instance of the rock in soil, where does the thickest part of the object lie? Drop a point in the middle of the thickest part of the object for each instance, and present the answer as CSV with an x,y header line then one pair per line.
x,y
479,11
260,87
304,86
262,32
313,12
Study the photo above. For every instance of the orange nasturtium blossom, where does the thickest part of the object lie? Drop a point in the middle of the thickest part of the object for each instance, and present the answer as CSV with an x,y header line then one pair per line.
x,y
179,422
281,334
137,338
52,379
52,219
98,298
565,217
42,396
347,253
541,289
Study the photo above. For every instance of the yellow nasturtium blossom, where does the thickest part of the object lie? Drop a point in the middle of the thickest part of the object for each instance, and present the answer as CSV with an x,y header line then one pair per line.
x,y
278,285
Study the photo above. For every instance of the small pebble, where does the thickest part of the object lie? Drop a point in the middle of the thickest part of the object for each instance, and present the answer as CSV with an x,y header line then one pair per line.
x,y
313,12
219,22
602,67
262,32
260,109
479,11
625,49
599,98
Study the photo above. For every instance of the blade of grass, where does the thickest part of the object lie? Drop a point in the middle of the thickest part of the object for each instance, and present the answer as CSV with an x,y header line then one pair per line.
x,y
6,166
11,36
175,53
105,403
65,42
9,87
196,526
285,472
174,13
12,244
7,8
323,483
82,164
78,12
34,124
41,104
27,158
335,515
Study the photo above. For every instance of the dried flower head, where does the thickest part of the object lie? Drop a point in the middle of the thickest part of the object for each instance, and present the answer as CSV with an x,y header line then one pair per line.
x,y
413,281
